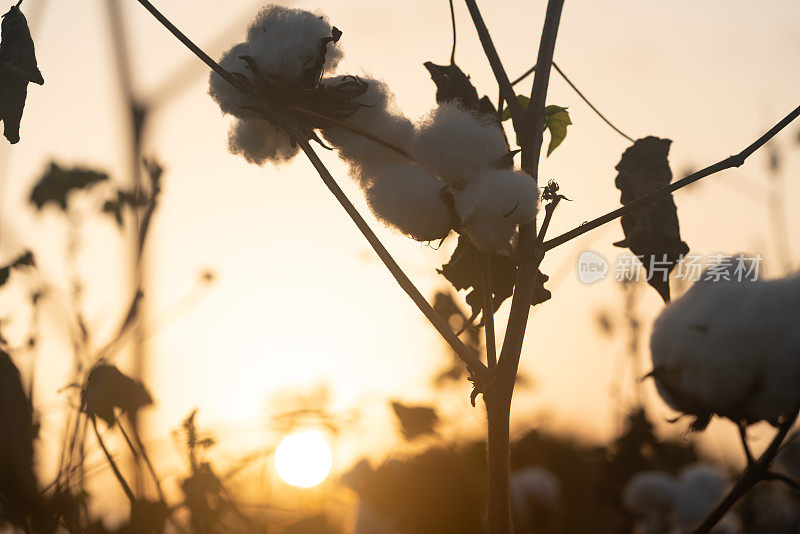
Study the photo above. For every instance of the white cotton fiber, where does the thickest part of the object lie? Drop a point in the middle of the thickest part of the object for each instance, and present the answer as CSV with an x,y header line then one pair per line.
x,y
730,348
282,42
406,197
378,116
492,205
258,141
650,492
457,144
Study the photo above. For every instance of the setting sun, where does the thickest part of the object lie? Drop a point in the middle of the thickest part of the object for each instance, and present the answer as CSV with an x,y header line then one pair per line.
x,y
304,459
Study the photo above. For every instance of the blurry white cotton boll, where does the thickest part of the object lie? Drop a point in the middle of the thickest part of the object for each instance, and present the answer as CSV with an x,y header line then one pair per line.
x,y
458,144
650,492
492,205
378,116
258,141
407,197
730,348
700,487
535,492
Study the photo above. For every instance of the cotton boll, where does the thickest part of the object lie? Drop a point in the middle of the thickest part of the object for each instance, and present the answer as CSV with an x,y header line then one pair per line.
x,y
407,197
650,492
730,348
259,141
377,116
492,205
458,144
700,488
282,42
535,484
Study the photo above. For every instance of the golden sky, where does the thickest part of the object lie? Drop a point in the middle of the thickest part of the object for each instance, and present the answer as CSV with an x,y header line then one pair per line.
x,y
300,299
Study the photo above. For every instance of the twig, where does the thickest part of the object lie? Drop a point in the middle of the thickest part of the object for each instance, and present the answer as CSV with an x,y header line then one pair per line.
x,y
473,362
588,103
517,113
745,445
485,268
753,474
733,161
143,453
579,93
453,22
780,477
112,463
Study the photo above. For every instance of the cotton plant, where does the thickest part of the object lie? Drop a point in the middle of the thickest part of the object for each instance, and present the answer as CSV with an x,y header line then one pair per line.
x,y
454,171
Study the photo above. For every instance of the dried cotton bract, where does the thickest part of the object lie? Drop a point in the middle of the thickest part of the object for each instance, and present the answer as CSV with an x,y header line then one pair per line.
x,y
730,348
284,47
378,116
491,207
407,197
457,144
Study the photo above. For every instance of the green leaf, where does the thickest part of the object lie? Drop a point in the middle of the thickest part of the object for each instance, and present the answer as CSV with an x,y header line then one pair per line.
x,y
523,101
556,119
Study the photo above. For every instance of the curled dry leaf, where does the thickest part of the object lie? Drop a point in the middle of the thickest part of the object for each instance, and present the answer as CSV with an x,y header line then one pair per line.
x,y
652,231
107,389
17,68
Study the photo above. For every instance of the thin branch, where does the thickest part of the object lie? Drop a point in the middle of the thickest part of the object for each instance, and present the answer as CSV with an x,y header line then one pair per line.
x,y
579,93
485,268
143,453
588,103
453,22
732,161
517,113
752,475
530,258
473,362
112,463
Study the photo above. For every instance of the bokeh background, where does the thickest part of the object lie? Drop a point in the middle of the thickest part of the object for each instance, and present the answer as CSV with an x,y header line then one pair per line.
x,y
300,304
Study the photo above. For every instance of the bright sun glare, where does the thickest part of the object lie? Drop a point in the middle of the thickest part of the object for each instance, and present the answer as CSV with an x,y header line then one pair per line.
x,y
304,459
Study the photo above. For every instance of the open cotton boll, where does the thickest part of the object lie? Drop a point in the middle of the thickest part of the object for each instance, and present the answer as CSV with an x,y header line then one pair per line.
x,y
730,348
458,144
650,492
378,116
258,141
700,487
282,42
406,197
492,205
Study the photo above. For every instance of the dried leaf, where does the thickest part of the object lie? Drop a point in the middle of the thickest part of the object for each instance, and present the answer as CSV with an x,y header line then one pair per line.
x,y
453,84
464,273
107,389
651,231
415,421
57,183
17,68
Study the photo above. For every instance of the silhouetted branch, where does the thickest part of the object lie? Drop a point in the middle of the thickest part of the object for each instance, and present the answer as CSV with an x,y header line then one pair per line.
x,y
753,474
733,161
473,362
453,22
488,309
579,93
112,463
517,113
